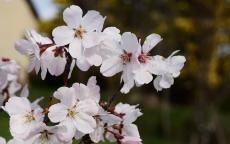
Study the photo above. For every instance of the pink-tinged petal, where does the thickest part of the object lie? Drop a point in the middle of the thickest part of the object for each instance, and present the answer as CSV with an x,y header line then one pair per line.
x,y
150,42
66,96
24,91
131,130
17,105
57,112
84,123
23,46
129,42
113,32
93,21
63,35
72,16
91,39
111,66
88,106
76,49
94,89
37,65
67,135
81,91
83,64
98,134
31,64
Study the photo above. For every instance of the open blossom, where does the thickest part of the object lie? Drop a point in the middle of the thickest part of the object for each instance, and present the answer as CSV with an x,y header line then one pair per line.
x,y
143,74
104,119
81,32
33,46
8,72
54,59
123,60
8,79
72,112
24,116
125,132
47,135
166,70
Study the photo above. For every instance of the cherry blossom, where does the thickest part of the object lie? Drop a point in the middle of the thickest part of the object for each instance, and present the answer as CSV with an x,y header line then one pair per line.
x,y
33,46
72,112
123,60
166,69
81,32
24,116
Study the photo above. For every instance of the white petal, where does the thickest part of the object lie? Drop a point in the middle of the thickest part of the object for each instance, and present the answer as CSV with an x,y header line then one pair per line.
x,y
166,81
88,106
66,96
129,42
57,113
156,83
150,42
76,49
97,135
175,64
94,92
111,66
63,35
157,65
17,105
73,16
142,76
84,123
71,68
83,64
93,21
113,32
25,91
91,39
24,46
2,140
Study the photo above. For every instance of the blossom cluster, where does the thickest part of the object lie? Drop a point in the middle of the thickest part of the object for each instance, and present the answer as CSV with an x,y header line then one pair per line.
x,y
80,114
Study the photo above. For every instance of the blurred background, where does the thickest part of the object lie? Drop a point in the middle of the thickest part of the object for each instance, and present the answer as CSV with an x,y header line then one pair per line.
x,y
195,110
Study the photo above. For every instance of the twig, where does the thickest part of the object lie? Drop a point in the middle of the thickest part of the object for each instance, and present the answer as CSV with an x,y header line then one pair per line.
x,y
69,60
112,97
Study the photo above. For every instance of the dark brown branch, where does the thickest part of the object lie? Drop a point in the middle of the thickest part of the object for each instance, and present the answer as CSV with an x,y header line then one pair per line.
x,y
69,60
112,97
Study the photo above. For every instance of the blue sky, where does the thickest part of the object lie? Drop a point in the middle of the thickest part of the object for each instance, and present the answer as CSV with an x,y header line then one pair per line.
x,y
46,8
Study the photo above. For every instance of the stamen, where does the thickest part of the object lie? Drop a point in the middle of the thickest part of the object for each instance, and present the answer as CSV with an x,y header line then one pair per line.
x,y
79,32
126,57
142,58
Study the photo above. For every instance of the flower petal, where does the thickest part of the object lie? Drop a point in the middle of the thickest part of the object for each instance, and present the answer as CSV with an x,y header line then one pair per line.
x,y
63,35
129,42
76,49
111,66
84,123
93,21
150,42
57,112
73,16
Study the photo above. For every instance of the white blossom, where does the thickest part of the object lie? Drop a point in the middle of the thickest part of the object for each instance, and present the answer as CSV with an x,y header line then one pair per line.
x,y
123,60
24,116
72,112
33,46
81,32
166,70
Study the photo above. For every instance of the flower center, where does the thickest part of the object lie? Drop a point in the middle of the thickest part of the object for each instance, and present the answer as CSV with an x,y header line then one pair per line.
x,y
126,57
58,51
43,47
44,137
5,59
71,113
142,58
79,32
29,117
